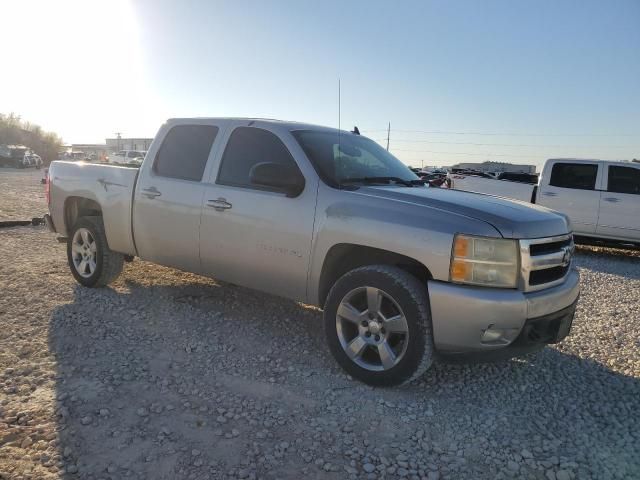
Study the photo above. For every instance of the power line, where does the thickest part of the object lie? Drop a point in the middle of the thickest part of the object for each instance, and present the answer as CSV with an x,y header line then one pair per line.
x,y
508,144
468,153
513,134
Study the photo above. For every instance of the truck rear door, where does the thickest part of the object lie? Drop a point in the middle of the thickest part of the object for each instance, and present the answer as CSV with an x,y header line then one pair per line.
x,y
168,196
572,188
255,236
620,202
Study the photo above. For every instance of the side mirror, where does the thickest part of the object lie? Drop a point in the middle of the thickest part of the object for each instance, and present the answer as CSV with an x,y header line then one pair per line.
x,y
282,177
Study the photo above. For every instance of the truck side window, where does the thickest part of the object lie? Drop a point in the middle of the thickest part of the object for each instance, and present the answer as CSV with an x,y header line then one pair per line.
x,y
184,152
246,147
624,180
581,176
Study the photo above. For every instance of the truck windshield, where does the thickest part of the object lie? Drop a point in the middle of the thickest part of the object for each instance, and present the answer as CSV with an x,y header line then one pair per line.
x,y
352,159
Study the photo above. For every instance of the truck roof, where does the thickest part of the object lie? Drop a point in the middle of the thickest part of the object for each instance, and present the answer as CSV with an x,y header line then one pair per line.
x,y
579,160
288,124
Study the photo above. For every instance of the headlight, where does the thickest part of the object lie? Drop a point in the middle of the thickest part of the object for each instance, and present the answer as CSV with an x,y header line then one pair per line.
x,y
491,262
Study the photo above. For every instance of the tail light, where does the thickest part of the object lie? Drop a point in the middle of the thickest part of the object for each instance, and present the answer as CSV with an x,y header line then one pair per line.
x,y
47,187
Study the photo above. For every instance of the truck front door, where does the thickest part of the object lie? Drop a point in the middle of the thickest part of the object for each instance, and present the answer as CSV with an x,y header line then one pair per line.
x,y
168,197
256,236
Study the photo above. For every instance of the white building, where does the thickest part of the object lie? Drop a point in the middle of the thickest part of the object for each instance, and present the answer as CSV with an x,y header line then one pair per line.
x,y
117,144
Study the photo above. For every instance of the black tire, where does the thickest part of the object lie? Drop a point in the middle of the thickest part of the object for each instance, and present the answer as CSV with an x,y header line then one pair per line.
x,y
108,263
411,297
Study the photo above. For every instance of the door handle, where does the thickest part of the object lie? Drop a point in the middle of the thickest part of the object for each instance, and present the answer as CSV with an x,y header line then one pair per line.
x,y
151,192
219,204
611,199
550,194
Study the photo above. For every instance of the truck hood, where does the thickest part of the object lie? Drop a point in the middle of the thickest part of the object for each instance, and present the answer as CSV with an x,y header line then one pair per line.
x,y
512,218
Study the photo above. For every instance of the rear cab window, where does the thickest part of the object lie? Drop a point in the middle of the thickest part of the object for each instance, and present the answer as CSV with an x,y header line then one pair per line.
x,y
624,180
184,152
581,176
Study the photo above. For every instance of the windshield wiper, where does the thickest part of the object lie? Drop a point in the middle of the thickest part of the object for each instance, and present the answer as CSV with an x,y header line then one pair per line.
x,y
371,180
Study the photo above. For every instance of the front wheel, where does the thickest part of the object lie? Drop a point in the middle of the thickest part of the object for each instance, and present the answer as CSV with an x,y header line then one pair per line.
x,y
91,261
378,325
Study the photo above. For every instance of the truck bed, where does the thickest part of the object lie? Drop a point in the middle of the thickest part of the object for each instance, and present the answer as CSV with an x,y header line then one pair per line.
x,y
500,188
109,186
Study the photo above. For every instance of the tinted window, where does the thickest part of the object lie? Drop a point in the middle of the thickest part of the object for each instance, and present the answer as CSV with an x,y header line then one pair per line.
x,y
624,180
185,151
247,147
574,175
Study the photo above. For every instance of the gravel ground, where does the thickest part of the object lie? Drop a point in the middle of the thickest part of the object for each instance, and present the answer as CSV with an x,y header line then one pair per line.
x,y
169,375
21,194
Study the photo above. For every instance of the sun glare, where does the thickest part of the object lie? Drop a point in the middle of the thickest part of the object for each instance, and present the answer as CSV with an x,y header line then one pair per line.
x,y
75,63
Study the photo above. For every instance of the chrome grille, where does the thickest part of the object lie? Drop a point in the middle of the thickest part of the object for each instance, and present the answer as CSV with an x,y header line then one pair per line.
x,y
545,262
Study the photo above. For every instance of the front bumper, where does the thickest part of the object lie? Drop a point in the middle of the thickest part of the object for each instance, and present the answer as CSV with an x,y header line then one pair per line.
x,y
475,319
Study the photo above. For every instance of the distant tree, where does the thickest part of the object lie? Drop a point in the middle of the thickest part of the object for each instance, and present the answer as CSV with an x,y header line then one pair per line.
x,y
15,131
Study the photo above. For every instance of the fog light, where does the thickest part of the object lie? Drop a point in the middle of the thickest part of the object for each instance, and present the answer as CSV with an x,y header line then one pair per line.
x,y
499,336
491,335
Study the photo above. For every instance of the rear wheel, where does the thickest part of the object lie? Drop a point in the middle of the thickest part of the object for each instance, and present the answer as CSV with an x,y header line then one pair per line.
x,y
91,261
378,325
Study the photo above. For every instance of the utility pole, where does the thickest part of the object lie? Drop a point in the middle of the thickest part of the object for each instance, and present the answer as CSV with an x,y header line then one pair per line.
x,y
118,137
388,133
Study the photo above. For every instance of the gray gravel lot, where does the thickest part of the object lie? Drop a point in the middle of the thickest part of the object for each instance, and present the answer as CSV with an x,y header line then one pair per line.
x,y
167,375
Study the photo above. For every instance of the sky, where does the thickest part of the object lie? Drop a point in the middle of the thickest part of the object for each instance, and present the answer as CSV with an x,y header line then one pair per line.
x,y
459,81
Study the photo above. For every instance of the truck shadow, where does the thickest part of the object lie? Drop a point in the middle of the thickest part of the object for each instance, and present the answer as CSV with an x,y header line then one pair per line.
x,y
145,373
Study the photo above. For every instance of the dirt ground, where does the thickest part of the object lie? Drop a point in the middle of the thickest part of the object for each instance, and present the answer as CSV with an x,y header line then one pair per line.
x,y
168,375
21,194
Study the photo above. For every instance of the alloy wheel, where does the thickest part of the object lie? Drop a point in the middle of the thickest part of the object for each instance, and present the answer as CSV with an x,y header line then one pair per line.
x,y
372,328
83,252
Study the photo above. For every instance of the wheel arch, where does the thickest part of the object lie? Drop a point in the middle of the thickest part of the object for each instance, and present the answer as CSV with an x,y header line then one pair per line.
x,y
344,257
76,207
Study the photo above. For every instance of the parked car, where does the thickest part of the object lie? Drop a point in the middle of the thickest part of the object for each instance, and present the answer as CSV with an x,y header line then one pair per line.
x,y
601,198
32,160
13,156
128,157
332,219
74,156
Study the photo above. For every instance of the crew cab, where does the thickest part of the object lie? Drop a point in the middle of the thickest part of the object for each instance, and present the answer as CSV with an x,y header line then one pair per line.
x,y
402,271
601,198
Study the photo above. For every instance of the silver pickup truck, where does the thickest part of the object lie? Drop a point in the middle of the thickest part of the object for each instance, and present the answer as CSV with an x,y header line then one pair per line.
x,y
404,273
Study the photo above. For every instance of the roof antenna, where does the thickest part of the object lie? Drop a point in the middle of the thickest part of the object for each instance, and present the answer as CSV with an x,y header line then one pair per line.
x,y
355,131
339,151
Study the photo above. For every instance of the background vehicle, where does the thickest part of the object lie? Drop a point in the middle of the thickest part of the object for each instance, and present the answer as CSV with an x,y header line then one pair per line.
x,y
129,157
32,160
73,156
601,198
13,156
332,219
